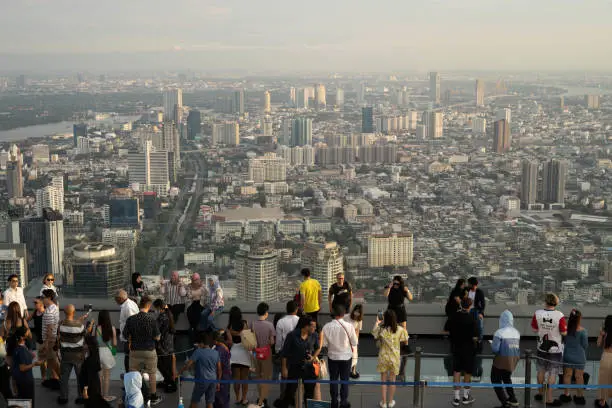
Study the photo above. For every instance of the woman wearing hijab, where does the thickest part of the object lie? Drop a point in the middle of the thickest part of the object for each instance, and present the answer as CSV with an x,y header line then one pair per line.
x,y
138,288
174,294
196,299
132,382
209,319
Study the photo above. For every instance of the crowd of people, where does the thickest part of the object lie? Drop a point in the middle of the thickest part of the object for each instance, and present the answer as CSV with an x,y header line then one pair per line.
x,y
286,346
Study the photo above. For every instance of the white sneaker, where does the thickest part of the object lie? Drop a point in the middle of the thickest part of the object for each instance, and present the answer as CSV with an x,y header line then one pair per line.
x,y
382,405
391,404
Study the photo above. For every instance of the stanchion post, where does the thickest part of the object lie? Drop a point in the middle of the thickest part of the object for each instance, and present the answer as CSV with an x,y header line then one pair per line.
x,y
545,391
300,394
528,356
417,377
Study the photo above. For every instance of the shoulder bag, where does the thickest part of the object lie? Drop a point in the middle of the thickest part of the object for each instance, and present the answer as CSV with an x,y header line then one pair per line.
x,y
261,353
248,339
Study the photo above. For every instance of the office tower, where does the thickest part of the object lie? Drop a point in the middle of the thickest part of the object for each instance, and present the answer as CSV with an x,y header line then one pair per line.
x,y
325,261
309,155
292,97
301,132
591,101
173,101
504,113
40,153
171,142
367,119
501,136
148,170
194,124
227,133
237,104
13,261
44,240
124,213
434,87
553,181
268,167
529,183
78,130
340,97
95,270
54,229
50,197
14,179
267,102
480,92
434,122
479,125
257,275
320,96
390,250
286,125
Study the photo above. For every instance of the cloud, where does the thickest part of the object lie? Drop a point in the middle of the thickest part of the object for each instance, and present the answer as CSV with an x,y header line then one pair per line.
x,y
216,11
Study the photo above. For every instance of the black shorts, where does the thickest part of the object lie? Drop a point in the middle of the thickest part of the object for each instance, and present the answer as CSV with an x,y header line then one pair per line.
x,y
400,312
463,362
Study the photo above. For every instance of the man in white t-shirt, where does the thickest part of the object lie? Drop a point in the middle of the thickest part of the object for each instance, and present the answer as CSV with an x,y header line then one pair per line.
x,y
551,326
128,308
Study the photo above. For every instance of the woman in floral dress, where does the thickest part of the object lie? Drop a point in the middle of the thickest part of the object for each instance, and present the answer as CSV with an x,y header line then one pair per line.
x,y
389,336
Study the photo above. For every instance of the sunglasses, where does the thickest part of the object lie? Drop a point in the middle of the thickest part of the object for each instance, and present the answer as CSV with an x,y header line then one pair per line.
x,y
51,280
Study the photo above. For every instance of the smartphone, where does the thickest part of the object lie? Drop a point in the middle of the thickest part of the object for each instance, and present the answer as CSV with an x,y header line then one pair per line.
x,y
88,308
380,315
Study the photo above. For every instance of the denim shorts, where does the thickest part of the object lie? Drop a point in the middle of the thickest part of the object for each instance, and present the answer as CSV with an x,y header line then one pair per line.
x,y
203,390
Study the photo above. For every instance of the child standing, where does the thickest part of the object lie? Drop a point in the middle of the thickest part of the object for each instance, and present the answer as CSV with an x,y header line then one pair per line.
x,y
207,367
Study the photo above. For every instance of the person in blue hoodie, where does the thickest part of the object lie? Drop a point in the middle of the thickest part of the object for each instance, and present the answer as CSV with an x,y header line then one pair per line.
x,y
507,352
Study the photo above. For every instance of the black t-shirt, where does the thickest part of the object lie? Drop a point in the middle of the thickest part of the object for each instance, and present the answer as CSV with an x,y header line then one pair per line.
x,y
462,329
342,294
396,296
142,329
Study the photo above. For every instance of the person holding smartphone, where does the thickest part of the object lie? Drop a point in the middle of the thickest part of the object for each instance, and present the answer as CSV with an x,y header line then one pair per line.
x,y
23,363
396,293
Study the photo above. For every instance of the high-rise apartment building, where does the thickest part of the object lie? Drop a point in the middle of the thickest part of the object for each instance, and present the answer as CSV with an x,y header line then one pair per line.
x,y
367,119
257,275
434,87
434,121
171,142
237,104
227,133
13,261
301,132
267,127
340,97
268,167
78,130
325,261
49,197
529,183
194,124
591,101
554,176
292,97
267,102
320,96
501,136
480,92
479,125
390,250
40,153
149,170
14,179
173,103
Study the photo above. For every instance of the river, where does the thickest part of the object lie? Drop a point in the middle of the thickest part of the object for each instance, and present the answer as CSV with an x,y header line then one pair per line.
x,y
47,129
584,90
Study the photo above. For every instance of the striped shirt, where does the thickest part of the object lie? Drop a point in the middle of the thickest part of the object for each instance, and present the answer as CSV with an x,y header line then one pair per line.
x,y
50,321
72,338
174,294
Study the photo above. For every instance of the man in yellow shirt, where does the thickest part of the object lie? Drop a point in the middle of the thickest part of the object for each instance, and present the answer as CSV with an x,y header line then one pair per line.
x,y
311,295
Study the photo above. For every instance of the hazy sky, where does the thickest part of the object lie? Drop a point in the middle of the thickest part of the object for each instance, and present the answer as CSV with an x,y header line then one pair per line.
x,y
313,34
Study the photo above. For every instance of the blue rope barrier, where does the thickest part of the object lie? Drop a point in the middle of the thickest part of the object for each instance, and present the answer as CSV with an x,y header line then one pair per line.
x,y
398,383
479,385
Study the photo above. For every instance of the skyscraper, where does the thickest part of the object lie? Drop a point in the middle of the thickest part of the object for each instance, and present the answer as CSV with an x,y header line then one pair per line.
x,y
480,92
554,177
257,275
292,97
529,183
149,170
367,119
173,102
14,179
267,102
591,101
504,113
434,87
44,240
124,213
339,97
320,96
78,130
301,131
49,197
13,260
171,141
501,136
238,102
194,124
227,133
325,261
434,121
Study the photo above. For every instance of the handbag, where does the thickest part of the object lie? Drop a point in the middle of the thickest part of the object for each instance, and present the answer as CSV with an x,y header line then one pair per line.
x,y
112,349
323,371
316,367
262,353
248,339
